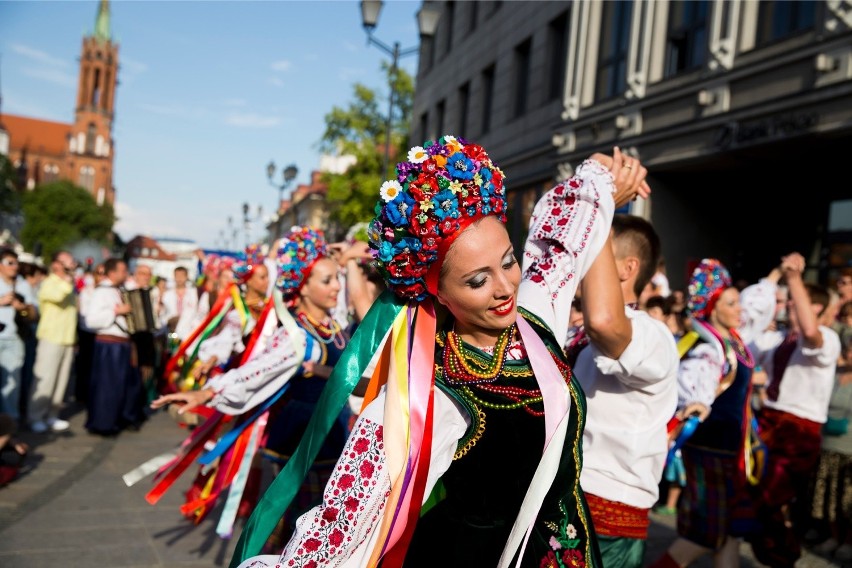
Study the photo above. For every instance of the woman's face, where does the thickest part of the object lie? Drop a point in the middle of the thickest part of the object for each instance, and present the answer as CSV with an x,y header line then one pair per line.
x,y
259,280
322,287
479,282
727,313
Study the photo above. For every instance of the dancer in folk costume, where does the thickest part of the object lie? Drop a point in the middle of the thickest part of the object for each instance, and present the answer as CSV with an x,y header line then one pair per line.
x,y
219,341
471,385
298,358
714,383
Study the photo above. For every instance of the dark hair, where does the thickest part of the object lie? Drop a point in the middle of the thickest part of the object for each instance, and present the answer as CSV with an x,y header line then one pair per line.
x,y
818,294
661,302
641,240
182,269
6,252
111,264
55,256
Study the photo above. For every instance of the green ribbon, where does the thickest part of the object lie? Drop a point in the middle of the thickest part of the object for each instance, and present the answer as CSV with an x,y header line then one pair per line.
x,y
343,380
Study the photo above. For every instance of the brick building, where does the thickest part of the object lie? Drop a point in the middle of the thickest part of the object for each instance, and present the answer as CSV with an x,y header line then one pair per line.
x,y
82,151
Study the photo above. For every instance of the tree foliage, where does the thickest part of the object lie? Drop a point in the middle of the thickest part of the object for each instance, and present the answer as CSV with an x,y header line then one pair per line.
x,y
360,130
9,199
59,214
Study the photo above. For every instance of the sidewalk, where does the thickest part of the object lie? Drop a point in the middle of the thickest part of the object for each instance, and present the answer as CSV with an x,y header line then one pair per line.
x,y
71,508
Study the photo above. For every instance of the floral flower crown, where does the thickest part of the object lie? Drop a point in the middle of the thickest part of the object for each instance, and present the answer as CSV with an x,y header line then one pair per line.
x,y
214,265
709,279
244,267
443,187
297,253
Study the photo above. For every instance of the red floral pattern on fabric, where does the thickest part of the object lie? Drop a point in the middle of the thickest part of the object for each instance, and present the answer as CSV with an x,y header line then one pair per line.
x,y
554,225
325,533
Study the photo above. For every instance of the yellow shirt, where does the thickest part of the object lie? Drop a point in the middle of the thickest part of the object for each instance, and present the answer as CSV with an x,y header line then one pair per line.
x,y
58,310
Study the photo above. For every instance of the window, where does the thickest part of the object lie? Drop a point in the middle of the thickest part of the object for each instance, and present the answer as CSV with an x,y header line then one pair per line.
x,y
487,97
686,46
464,109
522,77
450,15
87,178
473,14
611,79
91,137
777,20
96,89
557,39
440,112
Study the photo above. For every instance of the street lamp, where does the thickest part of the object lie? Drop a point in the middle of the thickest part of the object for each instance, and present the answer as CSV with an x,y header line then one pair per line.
x,y
288,174
248,220
427,22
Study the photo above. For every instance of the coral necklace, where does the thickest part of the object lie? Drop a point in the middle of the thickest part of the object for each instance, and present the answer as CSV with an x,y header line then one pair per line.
x,y
325,333
458,369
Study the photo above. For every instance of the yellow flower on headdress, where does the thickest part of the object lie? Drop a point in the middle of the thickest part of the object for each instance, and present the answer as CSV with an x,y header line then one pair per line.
x,y
455,186
417,155
440,160
426,205
389,190
452,143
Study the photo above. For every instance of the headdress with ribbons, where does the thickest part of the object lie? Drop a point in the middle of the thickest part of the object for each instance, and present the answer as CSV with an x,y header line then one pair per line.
x,y
445,186
709,279
297,254
245,266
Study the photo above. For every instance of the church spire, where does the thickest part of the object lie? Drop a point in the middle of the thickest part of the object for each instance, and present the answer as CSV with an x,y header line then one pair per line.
x,y
102,22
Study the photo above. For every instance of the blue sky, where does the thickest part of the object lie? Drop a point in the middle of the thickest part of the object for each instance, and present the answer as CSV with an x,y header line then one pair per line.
x,y
209,92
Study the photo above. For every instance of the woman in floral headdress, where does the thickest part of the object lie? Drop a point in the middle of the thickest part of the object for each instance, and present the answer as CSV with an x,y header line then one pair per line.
x,y
219,340
714,382
297,360
471,389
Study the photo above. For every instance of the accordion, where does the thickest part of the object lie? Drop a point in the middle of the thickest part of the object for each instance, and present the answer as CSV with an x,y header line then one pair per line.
x,y
141,316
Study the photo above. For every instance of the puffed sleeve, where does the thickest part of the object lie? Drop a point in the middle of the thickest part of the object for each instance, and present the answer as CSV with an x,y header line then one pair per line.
x,y
343,530
758,305
569,225
698,376
253,382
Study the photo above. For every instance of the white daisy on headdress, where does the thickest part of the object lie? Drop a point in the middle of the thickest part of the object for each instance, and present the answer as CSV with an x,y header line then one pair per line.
x,y
417,155
390,189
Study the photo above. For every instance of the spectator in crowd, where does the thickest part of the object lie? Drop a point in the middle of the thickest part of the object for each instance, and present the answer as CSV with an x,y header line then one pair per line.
x,y
57,336
180,304
17,310
34,274
85,335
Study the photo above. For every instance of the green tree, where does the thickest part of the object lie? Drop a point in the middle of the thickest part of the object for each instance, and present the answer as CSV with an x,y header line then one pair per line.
x,y
9,199
59,214
360,130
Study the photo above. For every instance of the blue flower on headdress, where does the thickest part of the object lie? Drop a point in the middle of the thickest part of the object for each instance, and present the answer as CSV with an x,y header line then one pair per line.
x,y
446,205
386,251
406,245
399,209
460,166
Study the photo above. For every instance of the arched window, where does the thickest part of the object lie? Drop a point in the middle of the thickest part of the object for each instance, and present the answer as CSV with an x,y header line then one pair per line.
x,y
91,136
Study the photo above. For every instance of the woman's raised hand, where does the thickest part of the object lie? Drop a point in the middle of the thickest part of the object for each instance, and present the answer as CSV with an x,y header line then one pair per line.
x,y
628,176
186,400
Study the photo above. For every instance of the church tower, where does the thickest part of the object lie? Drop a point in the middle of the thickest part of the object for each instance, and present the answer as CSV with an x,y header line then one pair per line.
x,y
90,145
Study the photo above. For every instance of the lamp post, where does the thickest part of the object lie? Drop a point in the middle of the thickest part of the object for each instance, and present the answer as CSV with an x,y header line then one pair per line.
x,y
427,21
288,174
248,219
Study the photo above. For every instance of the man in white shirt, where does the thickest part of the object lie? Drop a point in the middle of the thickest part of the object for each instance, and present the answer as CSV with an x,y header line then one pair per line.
x,y
116,399
801,364
180,304
627,363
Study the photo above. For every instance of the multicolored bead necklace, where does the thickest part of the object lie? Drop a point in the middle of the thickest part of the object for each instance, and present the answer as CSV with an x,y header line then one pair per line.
x,y
736,344
459,367
323,333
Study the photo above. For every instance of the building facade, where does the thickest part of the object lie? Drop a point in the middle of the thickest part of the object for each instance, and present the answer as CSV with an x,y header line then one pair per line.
x,y
740,109
83,151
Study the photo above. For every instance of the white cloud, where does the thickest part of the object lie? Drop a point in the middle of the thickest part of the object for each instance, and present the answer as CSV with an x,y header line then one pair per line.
x,y
276,81
252,120
281,65
55,76
38,55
